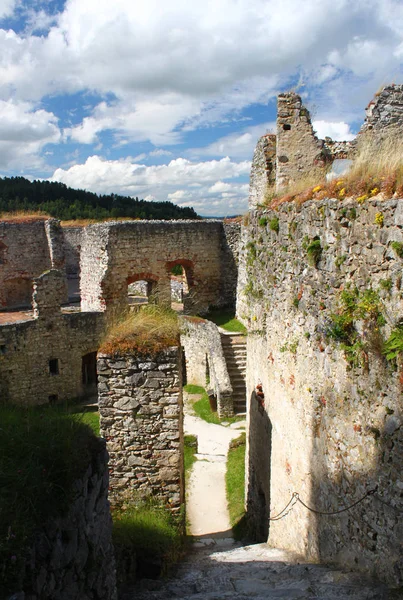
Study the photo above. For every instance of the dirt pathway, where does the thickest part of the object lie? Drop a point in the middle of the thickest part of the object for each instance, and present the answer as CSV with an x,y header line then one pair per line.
x,y
206,503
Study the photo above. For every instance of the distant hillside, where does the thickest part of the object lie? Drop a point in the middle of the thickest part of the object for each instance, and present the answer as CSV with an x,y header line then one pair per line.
x,y
62,202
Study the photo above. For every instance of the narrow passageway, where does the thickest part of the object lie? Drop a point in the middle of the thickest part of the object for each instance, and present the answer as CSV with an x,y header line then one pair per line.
x,y
219,568
206,506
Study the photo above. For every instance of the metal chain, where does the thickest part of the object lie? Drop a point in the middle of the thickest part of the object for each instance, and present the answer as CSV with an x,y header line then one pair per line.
x,y
295,498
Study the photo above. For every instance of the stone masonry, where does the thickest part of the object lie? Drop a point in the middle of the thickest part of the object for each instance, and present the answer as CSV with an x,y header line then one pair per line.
x,y
141,414
116,254
73,556
317,424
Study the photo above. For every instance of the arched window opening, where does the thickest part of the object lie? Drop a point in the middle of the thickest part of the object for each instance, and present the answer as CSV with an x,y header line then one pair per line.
x,y
142,289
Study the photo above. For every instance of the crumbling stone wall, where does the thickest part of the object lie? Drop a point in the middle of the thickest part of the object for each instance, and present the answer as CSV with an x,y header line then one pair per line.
x,y
385,110
299,151
263,171
41,357
204,355
24,254
72,240
116,254
141,414
319,425
73,556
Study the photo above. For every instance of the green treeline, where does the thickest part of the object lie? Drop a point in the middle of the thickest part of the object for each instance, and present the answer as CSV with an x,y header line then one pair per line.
x,y
65,203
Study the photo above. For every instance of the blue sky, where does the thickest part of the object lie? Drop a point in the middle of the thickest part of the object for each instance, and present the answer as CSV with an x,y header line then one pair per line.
x,y
165,99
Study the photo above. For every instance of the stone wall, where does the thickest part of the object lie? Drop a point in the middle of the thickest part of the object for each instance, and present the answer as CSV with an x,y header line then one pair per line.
x,y
204,357
72,556
299,151
319,424
41,358
72,240
263,171
141,413
24,254
116,254
385,110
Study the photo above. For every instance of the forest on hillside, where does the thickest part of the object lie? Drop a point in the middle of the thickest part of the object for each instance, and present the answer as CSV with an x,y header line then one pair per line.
x,y
65,203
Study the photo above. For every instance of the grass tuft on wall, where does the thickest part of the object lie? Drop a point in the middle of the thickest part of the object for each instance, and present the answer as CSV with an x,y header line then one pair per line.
x,y
146,331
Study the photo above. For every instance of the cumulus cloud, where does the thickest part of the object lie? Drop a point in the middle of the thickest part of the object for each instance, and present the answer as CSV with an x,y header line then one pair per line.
x,y
24,131
337,131
219,182
7,8
236,145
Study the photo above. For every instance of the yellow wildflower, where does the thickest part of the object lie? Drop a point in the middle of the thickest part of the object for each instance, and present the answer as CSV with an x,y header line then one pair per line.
x,y
362,199
374,191
340,182
342,192
317,189
379,219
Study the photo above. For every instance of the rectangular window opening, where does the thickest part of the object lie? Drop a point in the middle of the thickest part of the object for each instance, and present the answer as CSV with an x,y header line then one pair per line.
x,y
54,366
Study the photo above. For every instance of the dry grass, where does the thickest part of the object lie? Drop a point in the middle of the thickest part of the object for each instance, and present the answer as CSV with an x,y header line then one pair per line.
x,y
377,171
22,216
85,222
146,331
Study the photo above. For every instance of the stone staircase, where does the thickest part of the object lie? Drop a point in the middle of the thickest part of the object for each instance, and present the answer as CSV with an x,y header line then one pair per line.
x,y
225,570
234,347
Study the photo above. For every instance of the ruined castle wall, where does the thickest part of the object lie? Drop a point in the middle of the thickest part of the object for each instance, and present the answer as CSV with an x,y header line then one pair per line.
x,y
115,254
326,428
299,151
24,254
204,355
385,110
230,243
41,359
263,172
141,414
73,555
72,246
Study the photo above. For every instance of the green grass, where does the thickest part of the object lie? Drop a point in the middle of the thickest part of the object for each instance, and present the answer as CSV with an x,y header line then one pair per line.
x,y
147,531
42,452
190,449
194,389
90,418
203,410
226,320
235,485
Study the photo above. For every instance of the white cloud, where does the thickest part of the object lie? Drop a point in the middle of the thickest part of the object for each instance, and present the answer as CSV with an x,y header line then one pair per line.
x,y
160,152
236,145
337,131
24,131
180,64
175,181
7,8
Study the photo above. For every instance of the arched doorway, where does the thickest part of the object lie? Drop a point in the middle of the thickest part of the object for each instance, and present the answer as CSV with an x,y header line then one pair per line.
x,y
142,288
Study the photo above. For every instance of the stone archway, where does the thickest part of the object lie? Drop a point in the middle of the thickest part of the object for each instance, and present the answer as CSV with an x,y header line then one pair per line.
x,y
142,288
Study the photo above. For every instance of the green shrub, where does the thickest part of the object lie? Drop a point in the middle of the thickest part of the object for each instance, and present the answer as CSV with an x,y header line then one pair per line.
x,y
394,344
314,252
263,221
274,224
398,248
355,305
